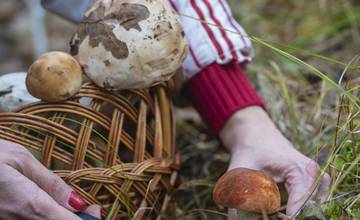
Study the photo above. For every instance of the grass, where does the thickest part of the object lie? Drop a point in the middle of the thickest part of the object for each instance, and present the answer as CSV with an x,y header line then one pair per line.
x,y
307,69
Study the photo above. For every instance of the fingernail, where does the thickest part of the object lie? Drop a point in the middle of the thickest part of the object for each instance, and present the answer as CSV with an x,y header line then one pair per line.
x,y
77,202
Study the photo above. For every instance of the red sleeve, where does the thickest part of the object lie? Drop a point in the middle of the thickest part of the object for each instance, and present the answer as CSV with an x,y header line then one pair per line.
x,y
218,91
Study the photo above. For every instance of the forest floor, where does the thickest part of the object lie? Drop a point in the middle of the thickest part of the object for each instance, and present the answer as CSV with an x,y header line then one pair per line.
x,y
320,121
306,98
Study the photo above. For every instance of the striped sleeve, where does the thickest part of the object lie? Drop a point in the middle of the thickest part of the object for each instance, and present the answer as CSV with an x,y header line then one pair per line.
x,y
211,30
213,34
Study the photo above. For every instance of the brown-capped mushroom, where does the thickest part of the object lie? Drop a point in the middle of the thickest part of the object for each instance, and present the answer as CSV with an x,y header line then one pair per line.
x,y
124,44
250,191
55,76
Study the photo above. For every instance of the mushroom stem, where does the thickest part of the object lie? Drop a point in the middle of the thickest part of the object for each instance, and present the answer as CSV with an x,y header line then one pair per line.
x,y
238,214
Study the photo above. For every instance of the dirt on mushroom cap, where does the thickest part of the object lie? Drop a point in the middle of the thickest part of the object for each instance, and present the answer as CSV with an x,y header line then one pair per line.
x,y
129,44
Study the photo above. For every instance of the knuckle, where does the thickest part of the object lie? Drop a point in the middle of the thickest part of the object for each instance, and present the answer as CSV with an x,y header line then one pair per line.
x,y
315,166
55,184
23,157
307,167
38,205
43,207
313,169
20,159
327,179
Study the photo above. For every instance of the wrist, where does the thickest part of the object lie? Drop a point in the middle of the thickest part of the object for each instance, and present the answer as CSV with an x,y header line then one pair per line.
x,y
248,116
244,126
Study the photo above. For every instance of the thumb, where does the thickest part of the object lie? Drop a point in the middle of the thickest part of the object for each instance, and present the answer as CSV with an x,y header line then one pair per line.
x,y
23,199
49,182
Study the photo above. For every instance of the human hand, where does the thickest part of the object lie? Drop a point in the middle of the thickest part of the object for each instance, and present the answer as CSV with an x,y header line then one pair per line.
x,y
30,191
254,142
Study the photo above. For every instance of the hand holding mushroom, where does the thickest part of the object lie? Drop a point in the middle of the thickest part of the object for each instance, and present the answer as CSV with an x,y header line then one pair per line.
x,y
255,143
130,45
251,192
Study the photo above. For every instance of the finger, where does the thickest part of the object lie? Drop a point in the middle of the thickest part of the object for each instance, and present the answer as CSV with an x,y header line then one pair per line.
x,y
56,187
297,198
25,199
301,186
94,210
50,209
47,208
324,188
26,164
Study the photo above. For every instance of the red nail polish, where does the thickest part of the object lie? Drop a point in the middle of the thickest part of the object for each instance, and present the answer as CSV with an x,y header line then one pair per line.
x,y
77,202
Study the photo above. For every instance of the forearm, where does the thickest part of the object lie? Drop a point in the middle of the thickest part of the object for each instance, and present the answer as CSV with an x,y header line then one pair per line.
x,y
218,86
220,39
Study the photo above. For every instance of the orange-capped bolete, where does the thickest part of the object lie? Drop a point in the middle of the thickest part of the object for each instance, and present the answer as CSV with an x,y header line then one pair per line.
x,y
250,191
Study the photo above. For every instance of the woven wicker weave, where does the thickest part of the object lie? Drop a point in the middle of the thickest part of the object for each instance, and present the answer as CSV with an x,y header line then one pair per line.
x,y
115,149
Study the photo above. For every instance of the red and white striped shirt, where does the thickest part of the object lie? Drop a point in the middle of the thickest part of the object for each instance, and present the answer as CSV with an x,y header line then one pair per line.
x,y
219,38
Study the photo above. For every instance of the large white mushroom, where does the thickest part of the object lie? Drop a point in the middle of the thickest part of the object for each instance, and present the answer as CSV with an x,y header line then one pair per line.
x,y
124,44
13,92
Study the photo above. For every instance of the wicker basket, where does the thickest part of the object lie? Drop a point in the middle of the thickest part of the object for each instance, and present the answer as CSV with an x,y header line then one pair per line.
x,y
115,149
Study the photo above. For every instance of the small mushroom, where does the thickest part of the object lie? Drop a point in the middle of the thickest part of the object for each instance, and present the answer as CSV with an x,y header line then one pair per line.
x,y
13,92
125,44
55,76
251,192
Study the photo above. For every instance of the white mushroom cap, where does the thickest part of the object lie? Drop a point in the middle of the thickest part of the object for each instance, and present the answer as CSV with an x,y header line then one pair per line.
x,y
13,92
124,44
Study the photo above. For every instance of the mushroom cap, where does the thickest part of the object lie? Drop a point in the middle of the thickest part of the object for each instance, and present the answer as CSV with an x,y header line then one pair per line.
x,y
248,190
124,44
55,76
13,92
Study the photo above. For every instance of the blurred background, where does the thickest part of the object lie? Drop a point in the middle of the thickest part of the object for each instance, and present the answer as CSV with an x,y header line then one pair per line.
x,y
27,31
323,33
329,27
